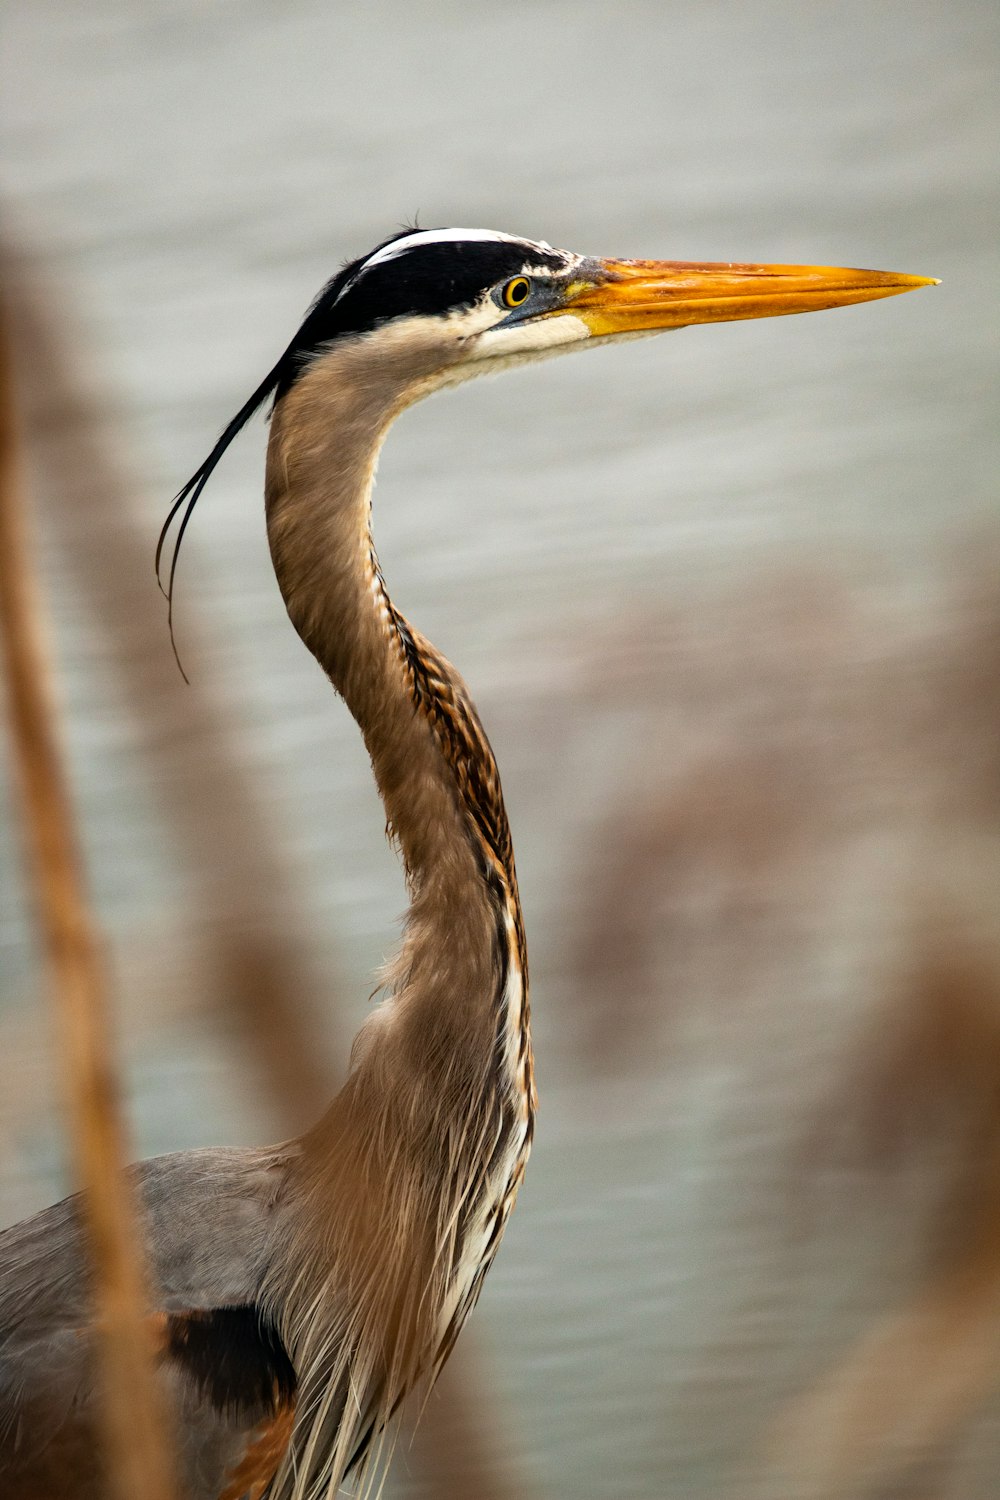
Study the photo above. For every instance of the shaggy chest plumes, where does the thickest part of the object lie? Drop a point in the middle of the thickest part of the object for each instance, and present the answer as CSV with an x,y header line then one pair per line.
x,y
440,695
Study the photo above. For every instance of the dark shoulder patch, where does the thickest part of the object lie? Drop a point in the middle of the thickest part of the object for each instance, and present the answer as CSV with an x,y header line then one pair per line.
x,y
234,1356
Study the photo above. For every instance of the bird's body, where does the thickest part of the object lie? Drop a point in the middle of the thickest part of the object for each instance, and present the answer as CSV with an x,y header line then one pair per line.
x,y
301,1292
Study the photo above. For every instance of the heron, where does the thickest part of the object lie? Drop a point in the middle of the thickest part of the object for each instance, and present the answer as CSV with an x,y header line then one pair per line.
x,y
301,1292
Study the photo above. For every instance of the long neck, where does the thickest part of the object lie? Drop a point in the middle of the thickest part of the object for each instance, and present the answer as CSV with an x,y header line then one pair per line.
x,y
432,762
422,1152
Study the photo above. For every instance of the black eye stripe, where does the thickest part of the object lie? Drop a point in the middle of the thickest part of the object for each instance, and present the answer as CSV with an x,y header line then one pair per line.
x,y
429,280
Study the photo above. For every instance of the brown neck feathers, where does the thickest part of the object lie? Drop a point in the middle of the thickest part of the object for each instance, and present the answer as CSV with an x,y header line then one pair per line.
x,y
431,759
423,1150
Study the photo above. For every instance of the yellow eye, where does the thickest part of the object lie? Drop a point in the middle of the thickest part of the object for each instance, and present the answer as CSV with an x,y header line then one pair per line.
x,y
516,291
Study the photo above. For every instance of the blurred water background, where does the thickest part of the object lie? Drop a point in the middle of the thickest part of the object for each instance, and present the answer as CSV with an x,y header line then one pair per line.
x,y
728,602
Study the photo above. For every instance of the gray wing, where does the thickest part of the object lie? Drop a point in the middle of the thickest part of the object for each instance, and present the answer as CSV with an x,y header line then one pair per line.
x,y
209,1219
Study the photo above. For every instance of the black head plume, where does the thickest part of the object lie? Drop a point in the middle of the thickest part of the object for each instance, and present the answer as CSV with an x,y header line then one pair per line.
x,y
315,328
428,278
188,497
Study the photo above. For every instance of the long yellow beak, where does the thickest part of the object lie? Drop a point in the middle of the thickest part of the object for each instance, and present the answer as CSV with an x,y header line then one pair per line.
x,y
628,296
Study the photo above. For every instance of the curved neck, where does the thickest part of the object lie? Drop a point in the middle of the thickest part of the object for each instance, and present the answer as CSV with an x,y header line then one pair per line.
x,y
432,762
423,1150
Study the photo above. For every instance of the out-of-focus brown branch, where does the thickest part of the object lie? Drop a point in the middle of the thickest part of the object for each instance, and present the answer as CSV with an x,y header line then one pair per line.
x,y
132,1419
214,810
902,1393
258,942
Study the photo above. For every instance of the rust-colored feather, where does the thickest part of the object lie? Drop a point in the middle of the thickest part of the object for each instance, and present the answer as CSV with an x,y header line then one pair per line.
x,y
259,1464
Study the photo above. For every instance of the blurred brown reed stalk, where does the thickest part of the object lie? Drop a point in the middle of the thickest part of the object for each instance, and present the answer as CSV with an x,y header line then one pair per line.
x,y
885,1419
834,789
924,1082
130,1410
259,944
213,810
778,720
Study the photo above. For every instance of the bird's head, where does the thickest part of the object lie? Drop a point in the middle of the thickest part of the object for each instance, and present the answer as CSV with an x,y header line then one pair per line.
x,y
432,307
452,303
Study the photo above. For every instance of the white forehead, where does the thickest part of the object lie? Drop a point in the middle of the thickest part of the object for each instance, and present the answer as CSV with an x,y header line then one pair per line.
x,y
444,237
